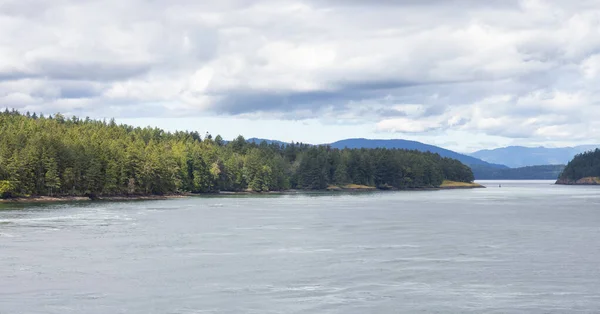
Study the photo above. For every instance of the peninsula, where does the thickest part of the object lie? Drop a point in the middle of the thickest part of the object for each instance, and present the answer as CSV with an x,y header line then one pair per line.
x,y
70,158
584,169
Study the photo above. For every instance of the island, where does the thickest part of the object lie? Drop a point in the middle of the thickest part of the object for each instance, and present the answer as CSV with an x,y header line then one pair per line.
x,y
59,158
584,169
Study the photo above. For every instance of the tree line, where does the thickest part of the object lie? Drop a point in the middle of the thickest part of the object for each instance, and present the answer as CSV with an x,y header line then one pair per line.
x,y
583,165
55,155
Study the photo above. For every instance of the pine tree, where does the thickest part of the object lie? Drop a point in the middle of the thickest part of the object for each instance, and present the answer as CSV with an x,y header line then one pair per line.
x,y
219,140
49,156
51,179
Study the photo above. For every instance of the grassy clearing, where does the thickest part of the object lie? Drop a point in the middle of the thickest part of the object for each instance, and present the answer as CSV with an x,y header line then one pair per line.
x,y
589,180
358,187
332,187
454,184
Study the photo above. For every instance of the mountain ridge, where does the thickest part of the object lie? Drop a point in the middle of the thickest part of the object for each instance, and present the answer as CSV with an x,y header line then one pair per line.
x,y
541,172
396,144
539,162
411,145
522,156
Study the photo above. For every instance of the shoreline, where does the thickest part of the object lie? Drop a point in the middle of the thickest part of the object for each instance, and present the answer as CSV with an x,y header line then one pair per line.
x,y
454,185
461,187
582,181
59,199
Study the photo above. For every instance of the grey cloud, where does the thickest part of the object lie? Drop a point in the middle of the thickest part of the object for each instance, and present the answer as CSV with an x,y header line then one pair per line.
x,y
76,90
244,102
467,64
90,70
387,113
345,92
14,75
248,101
425,3
375,85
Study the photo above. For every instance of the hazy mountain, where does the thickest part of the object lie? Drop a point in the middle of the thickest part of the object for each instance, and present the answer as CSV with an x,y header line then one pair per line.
x,y
492,169
412,145
260,140
519,156
546,172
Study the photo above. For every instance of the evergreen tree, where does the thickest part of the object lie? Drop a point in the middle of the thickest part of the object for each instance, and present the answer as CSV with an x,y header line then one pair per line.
x,y
59,156
51,178
219,140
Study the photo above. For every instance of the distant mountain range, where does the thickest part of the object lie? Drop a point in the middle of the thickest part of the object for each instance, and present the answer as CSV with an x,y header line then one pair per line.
x,y
546,172
412,145
397,144
508,163
519,156
260,140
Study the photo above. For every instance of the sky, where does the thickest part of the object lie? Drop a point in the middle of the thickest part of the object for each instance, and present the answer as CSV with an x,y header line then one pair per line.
x,y
462,74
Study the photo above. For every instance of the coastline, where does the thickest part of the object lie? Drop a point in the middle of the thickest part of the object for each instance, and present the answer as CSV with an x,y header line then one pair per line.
x,y
453,185
334,189
582,181
59,199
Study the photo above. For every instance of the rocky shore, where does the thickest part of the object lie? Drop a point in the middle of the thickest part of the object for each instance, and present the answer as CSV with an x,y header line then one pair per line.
x,y
57,199
447,185
582,181
452,185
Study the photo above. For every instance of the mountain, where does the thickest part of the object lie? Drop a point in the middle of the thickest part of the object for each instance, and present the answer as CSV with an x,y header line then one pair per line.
x,y
412,145
546,172
260,140
519,156
550,168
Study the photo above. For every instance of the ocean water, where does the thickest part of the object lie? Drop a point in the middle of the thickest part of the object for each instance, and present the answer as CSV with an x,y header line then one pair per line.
x,y
525,247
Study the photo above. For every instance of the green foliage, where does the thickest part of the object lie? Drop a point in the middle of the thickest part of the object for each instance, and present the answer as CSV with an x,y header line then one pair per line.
x,y
61,156
7,189
582,166
219,140
52,181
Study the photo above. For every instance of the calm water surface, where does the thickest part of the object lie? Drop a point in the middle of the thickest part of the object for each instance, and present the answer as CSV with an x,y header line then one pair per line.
x,y
527,247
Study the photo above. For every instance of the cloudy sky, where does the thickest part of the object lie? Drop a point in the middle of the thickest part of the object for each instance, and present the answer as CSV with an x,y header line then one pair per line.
x,y
464,74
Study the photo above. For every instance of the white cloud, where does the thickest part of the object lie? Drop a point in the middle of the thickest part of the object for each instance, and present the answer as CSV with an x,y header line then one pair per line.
x,y
515,69
405,125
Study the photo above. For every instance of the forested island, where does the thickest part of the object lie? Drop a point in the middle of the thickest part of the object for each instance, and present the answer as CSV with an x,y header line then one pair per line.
x,y
584,169
59,156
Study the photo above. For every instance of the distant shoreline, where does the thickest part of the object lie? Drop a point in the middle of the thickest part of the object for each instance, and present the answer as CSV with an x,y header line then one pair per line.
x,y
361,189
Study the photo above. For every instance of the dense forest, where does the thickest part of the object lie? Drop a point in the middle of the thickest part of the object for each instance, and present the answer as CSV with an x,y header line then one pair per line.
x,y
544,172
55,155
585,165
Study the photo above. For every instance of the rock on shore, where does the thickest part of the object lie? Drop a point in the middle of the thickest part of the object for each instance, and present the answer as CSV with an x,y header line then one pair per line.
x,y
582,181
